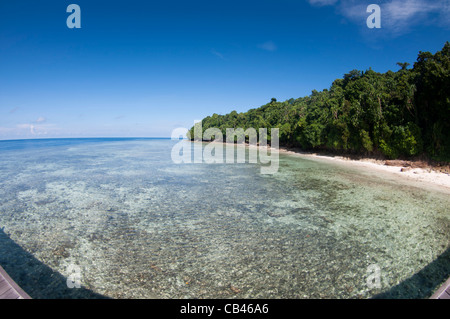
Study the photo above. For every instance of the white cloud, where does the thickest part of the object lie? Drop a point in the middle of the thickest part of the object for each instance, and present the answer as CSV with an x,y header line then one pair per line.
x,y
218,54
401,15
397,16
23,126
5,130
30,128
13,110
27,130
322,2
268,46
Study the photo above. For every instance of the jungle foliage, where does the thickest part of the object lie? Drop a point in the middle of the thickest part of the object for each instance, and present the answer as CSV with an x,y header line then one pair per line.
x,y
394,114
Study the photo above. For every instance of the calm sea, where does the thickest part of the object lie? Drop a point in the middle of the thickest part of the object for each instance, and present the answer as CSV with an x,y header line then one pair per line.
x,y
122,219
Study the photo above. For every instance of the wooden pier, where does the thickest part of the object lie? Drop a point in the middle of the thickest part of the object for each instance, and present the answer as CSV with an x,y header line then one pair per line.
x,y
9,289
443,292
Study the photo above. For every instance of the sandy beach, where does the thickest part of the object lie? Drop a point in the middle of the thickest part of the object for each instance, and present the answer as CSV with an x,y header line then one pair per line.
x,y
419,172
409,171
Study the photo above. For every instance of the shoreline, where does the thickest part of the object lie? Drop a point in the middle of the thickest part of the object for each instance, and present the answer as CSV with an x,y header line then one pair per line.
x,y
408,170
412,171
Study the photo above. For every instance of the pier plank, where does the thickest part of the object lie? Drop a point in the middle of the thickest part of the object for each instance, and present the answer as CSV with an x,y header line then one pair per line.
x,y
443,292
9,289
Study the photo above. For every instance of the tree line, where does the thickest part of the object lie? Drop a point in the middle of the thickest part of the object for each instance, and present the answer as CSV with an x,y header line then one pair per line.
x,y
398,114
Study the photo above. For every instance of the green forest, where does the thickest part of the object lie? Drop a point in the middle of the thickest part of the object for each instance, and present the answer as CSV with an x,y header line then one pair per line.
x,y
402,114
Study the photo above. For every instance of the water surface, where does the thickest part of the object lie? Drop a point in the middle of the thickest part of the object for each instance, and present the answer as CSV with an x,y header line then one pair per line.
x,y
140,226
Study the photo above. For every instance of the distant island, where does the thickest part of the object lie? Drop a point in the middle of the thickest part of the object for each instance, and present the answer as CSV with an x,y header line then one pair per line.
x,y
392,115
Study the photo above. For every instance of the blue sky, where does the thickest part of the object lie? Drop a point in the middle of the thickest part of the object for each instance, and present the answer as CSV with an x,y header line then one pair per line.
x,y
143,68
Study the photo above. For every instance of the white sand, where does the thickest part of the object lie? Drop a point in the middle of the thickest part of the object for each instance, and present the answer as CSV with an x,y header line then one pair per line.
x,y
420,175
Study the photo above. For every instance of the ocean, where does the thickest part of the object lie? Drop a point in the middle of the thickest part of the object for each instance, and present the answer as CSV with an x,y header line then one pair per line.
x,y
119,219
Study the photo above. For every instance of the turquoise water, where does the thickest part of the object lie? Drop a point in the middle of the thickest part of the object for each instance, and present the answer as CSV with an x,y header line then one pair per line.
x,y
139,226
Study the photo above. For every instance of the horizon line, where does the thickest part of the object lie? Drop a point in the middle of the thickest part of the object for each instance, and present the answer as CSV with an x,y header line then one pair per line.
x,y
67,138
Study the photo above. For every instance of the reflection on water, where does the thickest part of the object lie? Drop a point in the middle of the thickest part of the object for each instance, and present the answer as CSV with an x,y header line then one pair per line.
x,y
140,226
